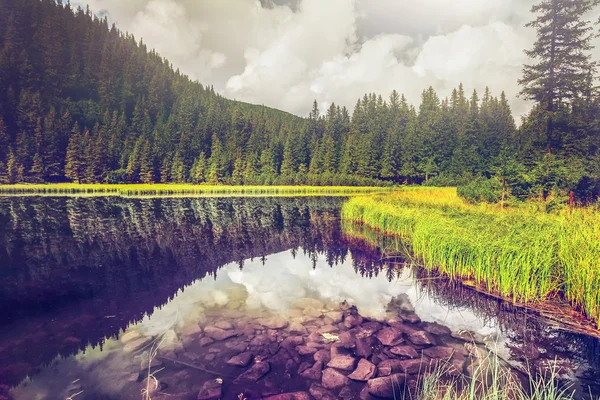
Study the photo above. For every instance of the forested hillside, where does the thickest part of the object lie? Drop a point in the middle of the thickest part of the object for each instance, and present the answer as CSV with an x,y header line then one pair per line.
x,y
82,101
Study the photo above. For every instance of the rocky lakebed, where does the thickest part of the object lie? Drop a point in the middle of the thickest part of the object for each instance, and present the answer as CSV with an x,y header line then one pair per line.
x,y
317,351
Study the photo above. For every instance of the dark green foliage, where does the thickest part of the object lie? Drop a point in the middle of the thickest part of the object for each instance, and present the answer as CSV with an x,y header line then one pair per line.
x,y
481,190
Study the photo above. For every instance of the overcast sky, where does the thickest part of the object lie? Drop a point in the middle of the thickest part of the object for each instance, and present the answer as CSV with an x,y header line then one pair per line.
x,y
286,53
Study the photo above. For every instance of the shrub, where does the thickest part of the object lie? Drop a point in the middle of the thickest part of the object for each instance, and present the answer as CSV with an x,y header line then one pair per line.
x,y
481,190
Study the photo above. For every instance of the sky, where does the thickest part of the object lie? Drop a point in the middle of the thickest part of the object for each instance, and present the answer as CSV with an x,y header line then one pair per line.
x,y
287,53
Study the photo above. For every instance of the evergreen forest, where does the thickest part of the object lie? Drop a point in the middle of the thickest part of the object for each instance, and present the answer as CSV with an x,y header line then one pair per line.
x,y
82,101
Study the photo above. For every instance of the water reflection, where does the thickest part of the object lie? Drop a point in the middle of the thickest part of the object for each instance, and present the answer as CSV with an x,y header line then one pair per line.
x,y
79,272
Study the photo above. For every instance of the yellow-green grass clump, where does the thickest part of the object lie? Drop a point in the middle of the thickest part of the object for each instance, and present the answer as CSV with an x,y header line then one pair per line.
x,y
520,253
180,190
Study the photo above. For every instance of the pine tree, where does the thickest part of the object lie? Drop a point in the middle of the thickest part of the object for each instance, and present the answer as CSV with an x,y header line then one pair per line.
x,y
133,165
178,169
165,171
73,158
216,169
237,178
198,171
3,174
146,167
36,172
562,52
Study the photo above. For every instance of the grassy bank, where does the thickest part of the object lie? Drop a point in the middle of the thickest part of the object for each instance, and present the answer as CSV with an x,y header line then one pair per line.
x,y
521,253
136,190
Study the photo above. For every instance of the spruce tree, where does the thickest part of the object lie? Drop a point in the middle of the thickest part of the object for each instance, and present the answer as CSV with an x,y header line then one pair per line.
x,y
562,57
178,169
165,171
73,158
216,169
36,172
198,171
146,167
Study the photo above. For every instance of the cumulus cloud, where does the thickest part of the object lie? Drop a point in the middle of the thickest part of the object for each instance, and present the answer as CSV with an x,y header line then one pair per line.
x,y
285,53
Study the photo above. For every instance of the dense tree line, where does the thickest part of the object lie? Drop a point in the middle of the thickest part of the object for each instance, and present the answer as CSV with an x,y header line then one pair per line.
x,y
82,101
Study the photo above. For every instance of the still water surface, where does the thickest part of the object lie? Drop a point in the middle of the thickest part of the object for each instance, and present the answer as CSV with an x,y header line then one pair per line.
x,y
91,286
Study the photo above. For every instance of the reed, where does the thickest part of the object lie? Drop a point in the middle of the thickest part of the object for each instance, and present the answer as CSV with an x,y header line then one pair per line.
x,y
147,190
520,253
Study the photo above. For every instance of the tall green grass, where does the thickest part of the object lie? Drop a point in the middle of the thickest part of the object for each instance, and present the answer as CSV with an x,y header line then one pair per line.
x,y
521,253
67,189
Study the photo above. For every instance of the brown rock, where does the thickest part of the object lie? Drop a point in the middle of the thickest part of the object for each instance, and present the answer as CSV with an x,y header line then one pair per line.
x,y
410,317
205,341
226,325
274,322
323,356
368,329
211,390
255,372
336,316
296,328
421,338
412,367
404,351
352,320
218,334
347,339
364,371
388,387
363,348
292,341
439,352
337,349
345,363
241,360
436,329
319,392
390,336
313,372
332,379
306,350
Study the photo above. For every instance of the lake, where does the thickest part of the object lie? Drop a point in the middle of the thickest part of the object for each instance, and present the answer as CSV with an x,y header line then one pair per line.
x,y
239,297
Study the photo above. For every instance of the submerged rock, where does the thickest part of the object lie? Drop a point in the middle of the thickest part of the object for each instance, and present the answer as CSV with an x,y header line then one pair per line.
x,y
319,392
364,371
343,362
363,348
313,372
404,351
390,336
388,387
439,352
421,338
211,390
255,372
274,322
218,334
226,325
333,379
241,360
323,356
436,329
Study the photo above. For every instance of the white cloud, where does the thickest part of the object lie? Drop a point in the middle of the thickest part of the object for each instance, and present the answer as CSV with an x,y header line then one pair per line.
x,y
285,55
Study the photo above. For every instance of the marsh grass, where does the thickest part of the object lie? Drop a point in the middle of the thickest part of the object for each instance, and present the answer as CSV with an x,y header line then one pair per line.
x,y
149,190
520,253
491,380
